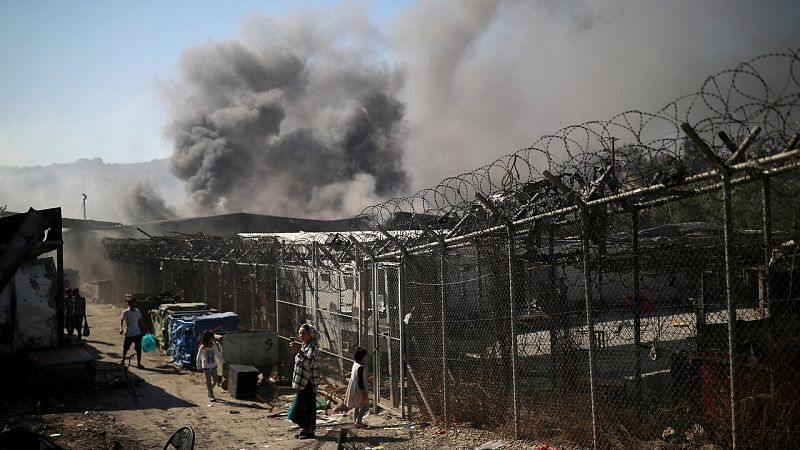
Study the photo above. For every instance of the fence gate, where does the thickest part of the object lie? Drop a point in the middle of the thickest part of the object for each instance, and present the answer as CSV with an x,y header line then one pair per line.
x,y
384,336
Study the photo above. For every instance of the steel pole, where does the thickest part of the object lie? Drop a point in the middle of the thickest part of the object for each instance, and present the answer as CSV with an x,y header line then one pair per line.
x,y
401,280
766,208
376,365
513,312
552,312
734,367
587,292
637,305
443,299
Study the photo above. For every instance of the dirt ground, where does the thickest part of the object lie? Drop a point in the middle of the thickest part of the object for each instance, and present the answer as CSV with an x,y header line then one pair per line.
x,y
169,398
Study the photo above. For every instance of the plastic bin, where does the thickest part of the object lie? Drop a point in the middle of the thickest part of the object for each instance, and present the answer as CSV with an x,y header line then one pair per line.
x,y
187,333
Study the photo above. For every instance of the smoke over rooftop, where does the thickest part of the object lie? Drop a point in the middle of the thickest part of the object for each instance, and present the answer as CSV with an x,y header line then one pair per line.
x,y
293,117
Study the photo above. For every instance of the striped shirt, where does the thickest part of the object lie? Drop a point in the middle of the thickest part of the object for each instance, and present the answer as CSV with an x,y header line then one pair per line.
x,y
305,367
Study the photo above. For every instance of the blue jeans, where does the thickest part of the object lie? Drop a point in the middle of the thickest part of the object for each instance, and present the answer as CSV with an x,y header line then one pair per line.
x,y
359,412
211,380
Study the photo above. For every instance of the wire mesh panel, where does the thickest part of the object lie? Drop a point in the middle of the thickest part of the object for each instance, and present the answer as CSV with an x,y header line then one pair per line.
x,y
425,342
388,334
264,295
337,329
553,338
480,340
766,339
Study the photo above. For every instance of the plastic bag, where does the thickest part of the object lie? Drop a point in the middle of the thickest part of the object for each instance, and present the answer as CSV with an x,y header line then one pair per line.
x,y
149,343
86,329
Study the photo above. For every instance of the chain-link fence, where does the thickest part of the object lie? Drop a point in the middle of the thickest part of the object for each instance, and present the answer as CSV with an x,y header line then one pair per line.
x,y
631,292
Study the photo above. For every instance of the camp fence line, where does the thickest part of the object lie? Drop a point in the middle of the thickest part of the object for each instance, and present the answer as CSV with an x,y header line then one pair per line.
x,y
580,290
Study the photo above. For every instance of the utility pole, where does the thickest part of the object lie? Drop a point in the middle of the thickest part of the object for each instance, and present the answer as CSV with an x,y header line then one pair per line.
x,y
84,206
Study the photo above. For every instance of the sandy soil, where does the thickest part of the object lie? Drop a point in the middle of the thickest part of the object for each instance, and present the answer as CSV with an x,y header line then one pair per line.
x,y
169,398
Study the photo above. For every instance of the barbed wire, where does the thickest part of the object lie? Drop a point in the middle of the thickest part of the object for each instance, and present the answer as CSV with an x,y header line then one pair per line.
x,y
643,148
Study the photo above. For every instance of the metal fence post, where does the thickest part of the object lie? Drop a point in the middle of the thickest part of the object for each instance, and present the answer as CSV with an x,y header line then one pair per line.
x,y
637,312
724,170
513,311
205,283
734,368
587,291
315,268
235,286
219,287
375,341
443,299
358,282
253,296
552,290
401,280
278,268
766,209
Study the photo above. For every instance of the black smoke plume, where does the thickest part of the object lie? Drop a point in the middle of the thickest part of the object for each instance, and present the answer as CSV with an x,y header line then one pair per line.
x,y
145,204
292,118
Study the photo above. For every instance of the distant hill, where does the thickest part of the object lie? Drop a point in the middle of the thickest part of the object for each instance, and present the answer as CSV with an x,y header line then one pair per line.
x,y
126,193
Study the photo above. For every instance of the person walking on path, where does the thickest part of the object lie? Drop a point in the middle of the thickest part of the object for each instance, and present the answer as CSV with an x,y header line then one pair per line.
x,y
69,312
357,395
133,324
305,381
78,312
207,356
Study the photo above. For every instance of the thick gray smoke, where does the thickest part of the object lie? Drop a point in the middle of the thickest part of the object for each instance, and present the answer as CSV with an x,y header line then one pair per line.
x,y
486,78
294,117
302,116
144,204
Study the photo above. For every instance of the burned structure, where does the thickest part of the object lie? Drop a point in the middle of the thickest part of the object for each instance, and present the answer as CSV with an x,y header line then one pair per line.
x,y
615,279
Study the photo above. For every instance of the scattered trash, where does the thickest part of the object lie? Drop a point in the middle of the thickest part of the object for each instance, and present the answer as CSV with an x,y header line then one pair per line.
x,y
55,435
491,445
695,433
79,425
234,411
678,323
341,407
377,447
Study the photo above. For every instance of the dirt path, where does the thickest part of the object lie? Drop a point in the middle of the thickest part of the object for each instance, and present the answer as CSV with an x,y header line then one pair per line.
x,y
169,398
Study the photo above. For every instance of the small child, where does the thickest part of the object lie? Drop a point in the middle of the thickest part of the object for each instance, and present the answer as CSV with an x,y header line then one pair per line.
x,y
357,396
207,356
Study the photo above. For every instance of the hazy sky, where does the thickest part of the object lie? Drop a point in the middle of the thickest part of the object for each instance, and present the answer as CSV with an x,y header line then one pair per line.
x,y
320,108
80,79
